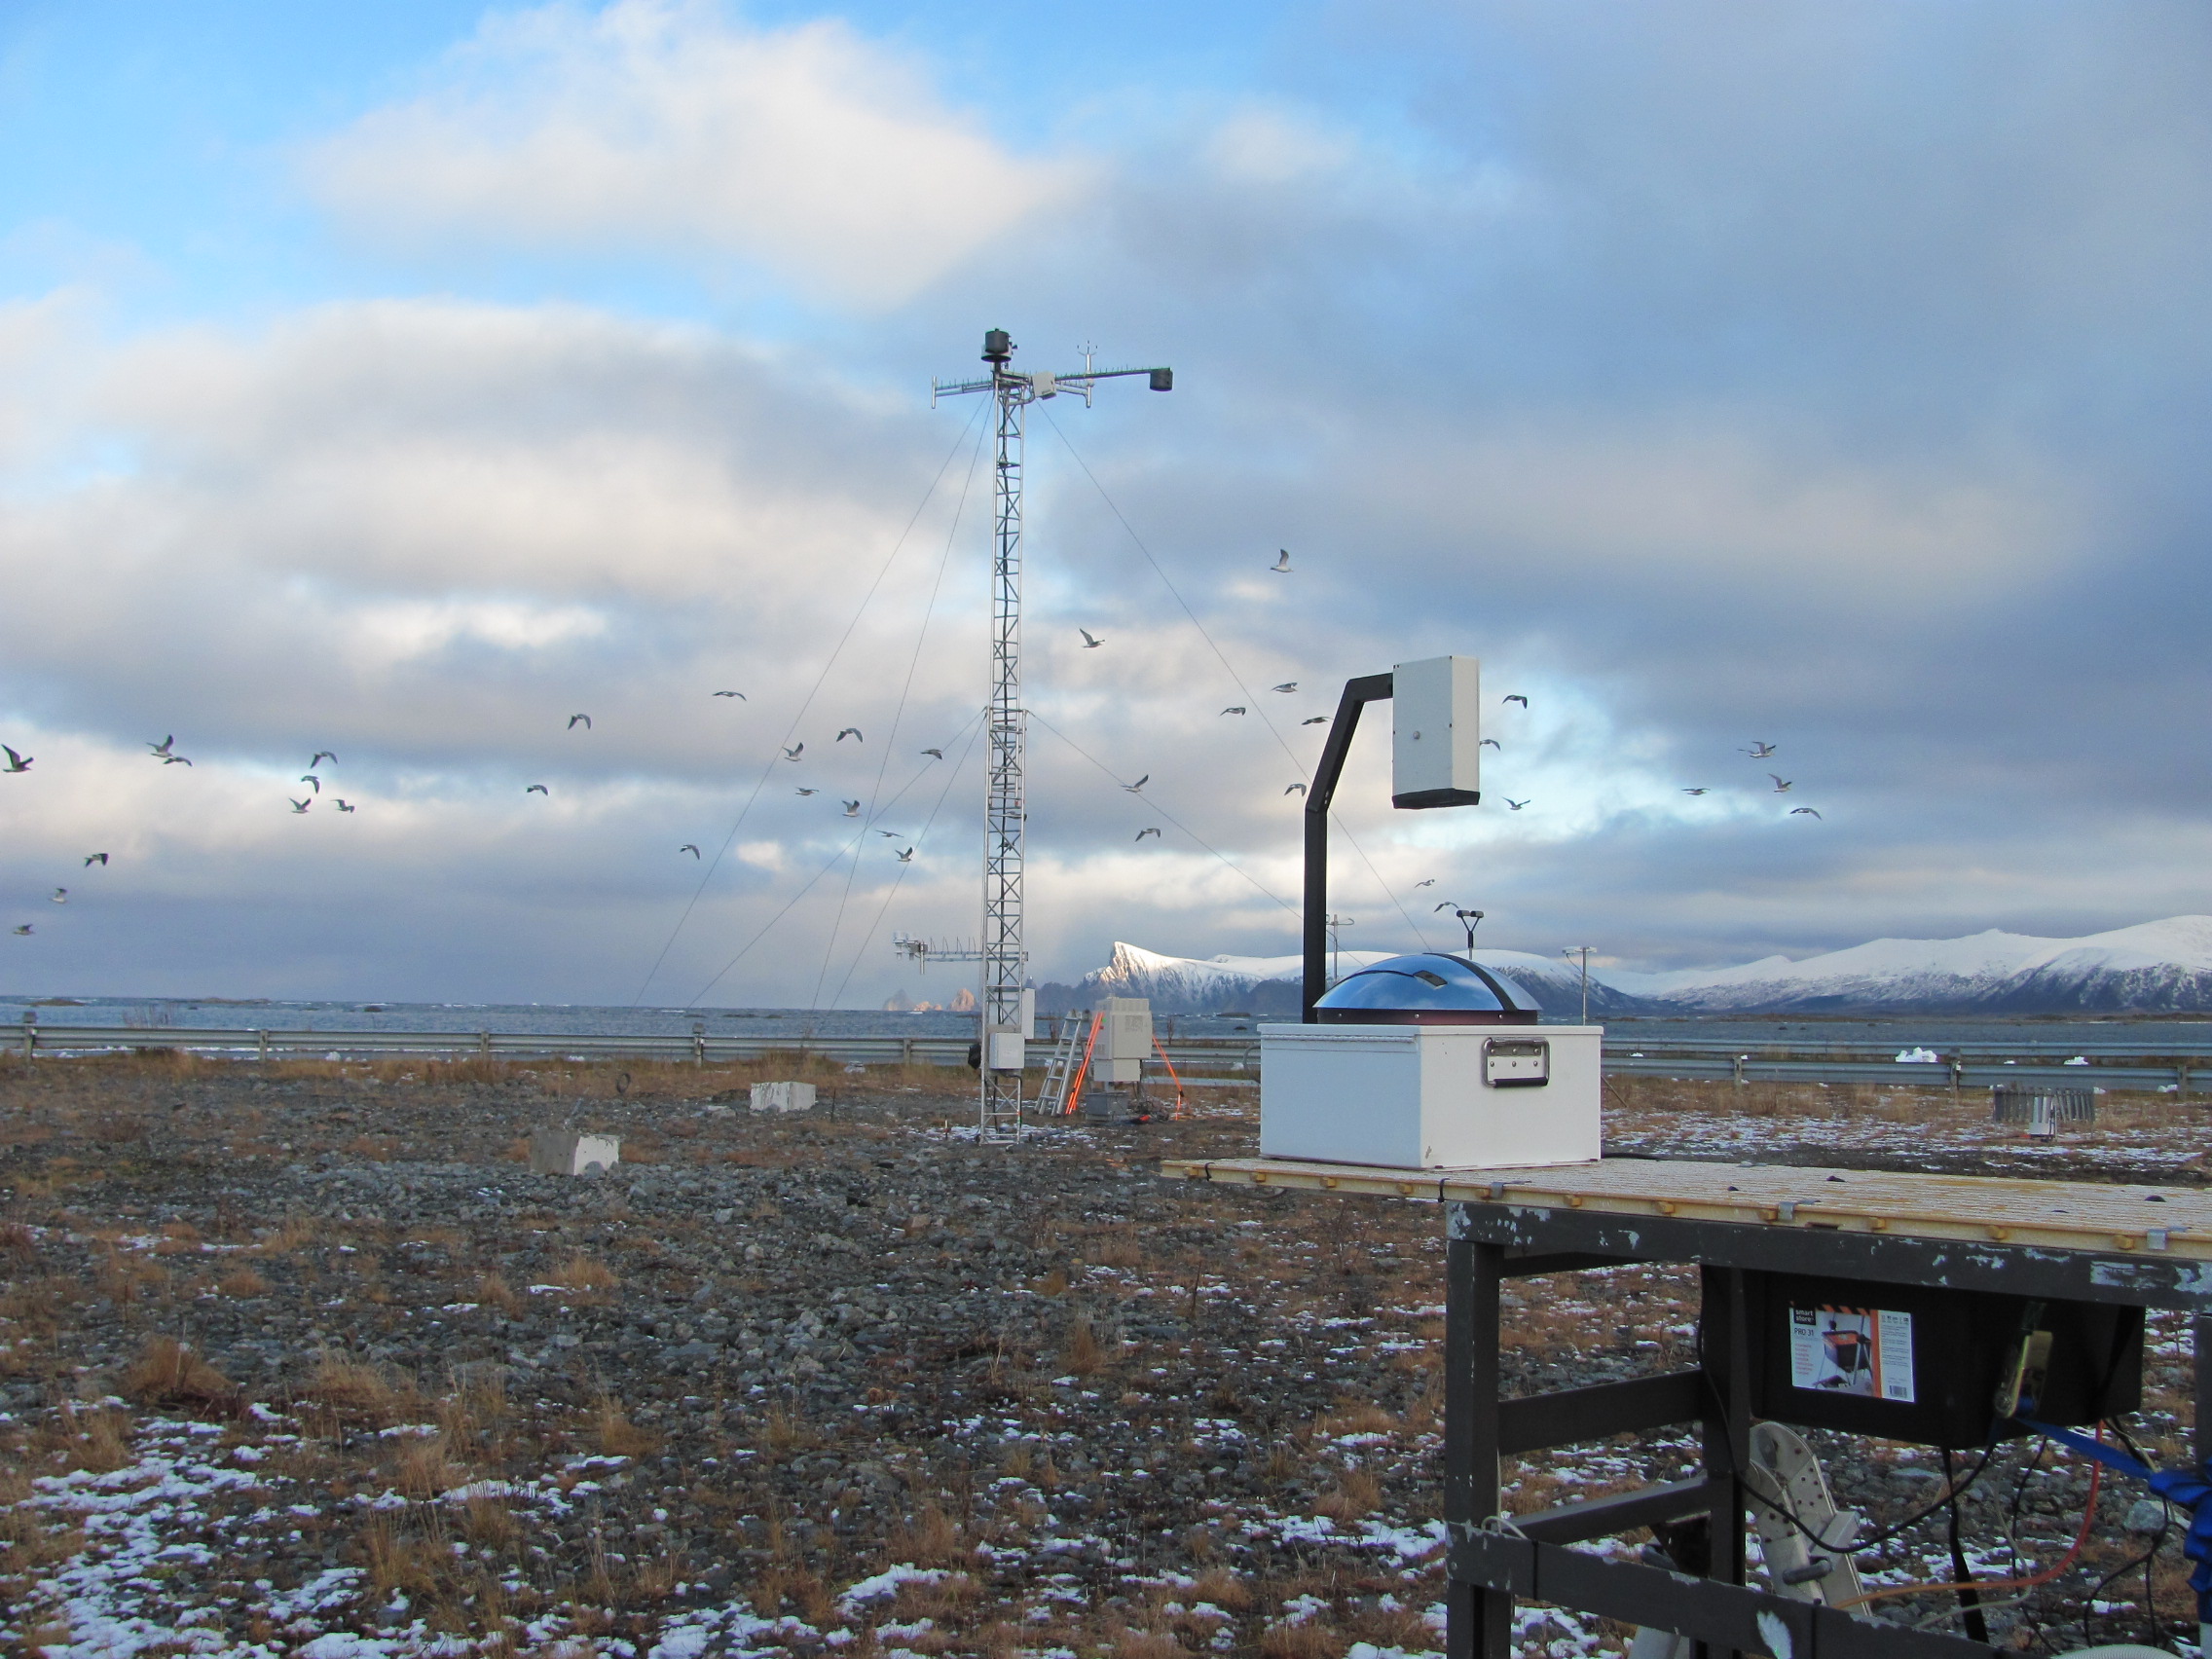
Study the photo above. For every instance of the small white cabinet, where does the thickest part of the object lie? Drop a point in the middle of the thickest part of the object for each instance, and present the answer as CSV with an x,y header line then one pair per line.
x,y
1432,1096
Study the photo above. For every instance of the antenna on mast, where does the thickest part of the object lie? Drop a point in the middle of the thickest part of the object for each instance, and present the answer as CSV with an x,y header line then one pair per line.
x,y
1005,1010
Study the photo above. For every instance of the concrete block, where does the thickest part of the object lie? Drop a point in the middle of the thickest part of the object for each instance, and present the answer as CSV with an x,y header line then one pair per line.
x,y
565,1152
783,1097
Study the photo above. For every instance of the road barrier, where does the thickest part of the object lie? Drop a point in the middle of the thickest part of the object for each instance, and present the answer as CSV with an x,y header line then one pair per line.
x,y
2149,1063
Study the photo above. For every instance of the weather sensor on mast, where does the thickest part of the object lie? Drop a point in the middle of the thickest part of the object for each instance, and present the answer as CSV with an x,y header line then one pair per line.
x,y
1008,1013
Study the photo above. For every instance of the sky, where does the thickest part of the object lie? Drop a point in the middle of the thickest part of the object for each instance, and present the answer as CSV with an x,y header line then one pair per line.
x,y
401,382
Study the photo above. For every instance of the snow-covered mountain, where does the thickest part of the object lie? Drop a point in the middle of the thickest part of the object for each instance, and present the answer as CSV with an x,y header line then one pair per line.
x,y
2154,967
1267,985
2151,968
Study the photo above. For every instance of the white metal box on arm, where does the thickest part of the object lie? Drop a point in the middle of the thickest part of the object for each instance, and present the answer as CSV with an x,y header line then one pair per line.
x,y
1430,1062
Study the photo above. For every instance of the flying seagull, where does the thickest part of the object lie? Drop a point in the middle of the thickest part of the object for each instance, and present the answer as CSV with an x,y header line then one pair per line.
x,y
887,835
935,754
1142,834
1419,885
163,747
907,857
1235,712
320,755
96,859
1781,783
1448,904
1760,750
1516,697
22,929
539,789
60,896
1295,789
301,805
1287,685
1317,719
809,791
175,761
1490,743
1697,792
1281,566
739,695
343,805
1516,805
1090,642
573,718
311,778
688,847
1804,812
1139,784
795,754
852,809
16,762
853,732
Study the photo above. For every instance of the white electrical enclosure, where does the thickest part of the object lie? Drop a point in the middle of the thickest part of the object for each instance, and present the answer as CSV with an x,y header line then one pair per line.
x,y
1432,1096
1436,732
1029,1016
1125,1042
1010,1050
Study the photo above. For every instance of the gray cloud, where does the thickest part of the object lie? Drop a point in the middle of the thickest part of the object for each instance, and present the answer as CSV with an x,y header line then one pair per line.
x,y
1724,373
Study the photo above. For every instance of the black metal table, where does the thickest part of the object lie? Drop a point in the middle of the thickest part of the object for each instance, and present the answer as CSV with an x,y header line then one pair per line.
x,y
2131,1246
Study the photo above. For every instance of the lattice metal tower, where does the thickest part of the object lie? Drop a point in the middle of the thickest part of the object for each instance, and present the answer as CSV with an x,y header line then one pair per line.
x,y
1004,959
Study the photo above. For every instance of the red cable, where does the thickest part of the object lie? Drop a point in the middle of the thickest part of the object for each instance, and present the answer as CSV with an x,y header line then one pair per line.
x,y
2088,1520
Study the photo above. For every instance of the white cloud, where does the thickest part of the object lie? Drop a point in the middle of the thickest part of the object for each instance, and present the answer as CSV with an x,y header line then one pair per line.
x,y
807,150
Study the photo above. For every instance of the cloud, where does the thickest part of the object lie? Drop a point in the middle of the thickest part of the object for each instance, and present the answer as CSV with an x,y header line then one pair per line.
x,y
809,151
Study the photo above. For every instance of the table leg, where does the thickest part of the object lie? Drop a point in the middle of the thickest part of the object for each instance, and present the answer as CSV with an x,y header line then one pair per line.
x,y
1479,1621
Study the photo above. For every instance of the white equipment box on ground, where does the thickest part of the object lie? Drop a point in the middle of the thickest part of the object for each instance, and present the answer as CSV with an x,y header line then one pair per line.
x,y
783,1097
566,1152
1432,1096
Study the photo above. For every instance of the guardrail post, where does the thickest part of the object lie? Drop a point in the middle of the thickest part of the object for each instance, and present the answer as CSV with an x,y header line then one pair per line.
x,y
30,1034
261,1039
1957,1076
1736,1070
484,1043
699,1044
905,1050
2180,1081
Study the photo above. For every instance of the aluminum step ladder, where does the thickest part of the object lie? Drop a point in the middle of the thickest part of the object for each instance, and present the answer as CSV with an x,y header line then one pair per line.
x,y
1059,1070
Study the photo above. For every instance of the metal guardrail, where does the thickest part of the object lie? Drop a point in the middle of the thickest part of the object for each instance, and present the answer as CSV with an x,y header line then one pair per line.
x,y
2177,1067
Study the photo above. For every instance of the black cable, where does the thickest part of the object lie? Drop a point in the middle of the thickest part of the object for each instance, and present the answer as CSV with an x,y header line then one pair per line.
x,y
1969,1598
2149,1560
2020,1493
708,874
898,718
1902,1527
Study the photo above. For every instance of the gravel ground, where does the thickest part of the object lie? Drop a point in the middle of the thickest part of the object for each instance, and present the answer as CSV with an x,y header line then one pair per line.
x,y
302,1358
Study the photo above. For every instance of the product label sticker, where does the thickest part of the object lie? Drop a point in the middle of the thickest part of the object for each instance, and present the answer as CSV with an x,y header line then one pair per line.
x,y
1852,1351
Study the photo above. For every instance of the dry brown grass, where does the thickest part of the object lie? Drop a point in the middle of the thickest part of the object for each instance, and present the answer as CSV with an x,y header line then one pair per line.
x,y
170,1373
295,1234
494,1291
930,1538
1223,1588
1357,1493
355,1388
426,1469
1083,1357
243,1282
1307,1639
1129,1643
616,1434
586,1278
97,1440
